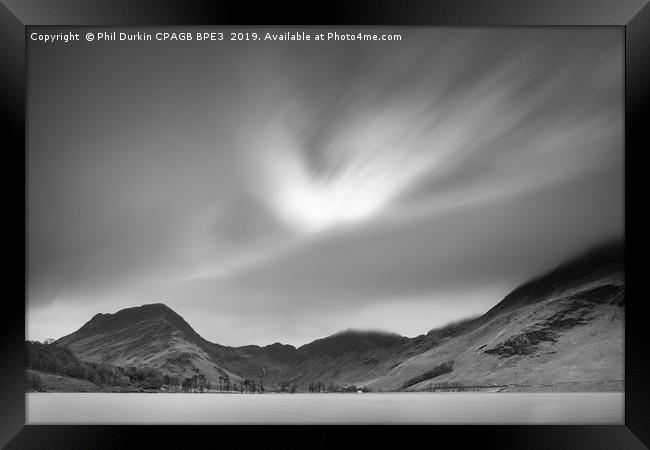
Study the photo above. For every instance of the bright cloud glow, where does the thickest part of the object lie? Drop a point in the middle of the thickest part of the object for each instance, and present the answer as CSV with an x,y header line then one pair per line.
x,y
360,172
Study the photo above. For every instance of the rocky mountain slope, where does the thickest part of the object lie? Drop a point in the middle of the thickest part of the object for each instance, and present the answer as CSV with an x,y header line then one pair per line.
x,y
561,331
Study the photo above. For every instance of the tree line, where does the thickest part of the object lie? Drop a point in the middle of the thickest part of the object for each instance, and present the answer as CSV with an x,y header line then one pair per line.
x,y
47,357
51,358
320,387
199,383
434,372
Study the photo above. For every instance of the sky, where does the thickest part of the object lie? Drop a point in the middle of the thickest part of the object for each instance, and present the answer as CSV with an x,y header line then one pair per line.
x,y
284,191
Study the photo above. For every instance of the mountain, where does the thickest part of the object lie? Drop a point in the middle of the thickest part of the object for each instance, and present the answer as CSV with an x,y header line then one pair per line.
x,y
593,265
346,358
150,335
559,331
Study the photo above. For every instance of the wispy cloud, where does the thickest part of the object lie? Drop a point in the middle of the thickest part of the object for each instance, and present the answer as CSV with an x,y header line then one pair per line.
x,y
319,183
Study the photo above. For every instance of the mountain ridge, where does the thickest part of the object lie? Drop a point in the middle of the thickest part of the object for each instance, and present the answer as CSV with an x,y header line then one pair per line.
x,y
541,315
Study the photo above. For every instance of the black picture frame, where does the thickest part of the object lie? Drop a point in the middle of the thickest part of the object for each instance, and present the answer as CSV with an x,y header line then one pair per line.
x,y
17,15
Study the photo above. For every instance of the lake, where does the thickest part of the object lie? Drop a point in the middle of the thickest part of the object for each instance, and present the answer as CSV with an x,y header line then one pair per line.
x,y
367,408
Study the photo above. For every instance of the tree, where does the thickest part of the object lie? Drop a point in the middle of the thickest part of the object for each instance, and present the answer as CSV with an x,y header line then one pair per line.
x,y
156,378
201,382
33,382
175,382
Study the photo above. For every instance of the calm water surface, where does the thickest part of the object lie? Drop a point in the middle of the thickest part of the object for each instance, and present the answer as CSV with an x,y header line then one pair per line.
x,y
368,408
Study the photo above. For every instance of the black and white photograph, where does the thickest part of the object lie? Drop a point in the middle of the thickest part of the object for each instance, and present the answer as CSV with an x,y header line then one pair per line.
x,y
325,225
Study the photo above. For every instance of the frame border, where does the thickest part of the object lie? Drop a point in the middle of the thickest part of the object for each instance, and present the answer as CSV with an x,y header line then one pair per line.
x,y
632,15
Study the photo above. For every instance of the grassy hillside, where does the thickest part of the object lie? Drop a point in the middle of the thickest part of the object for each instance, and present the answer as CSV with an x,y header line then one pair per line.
x,y
60,363
153,336
54,382
573,339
